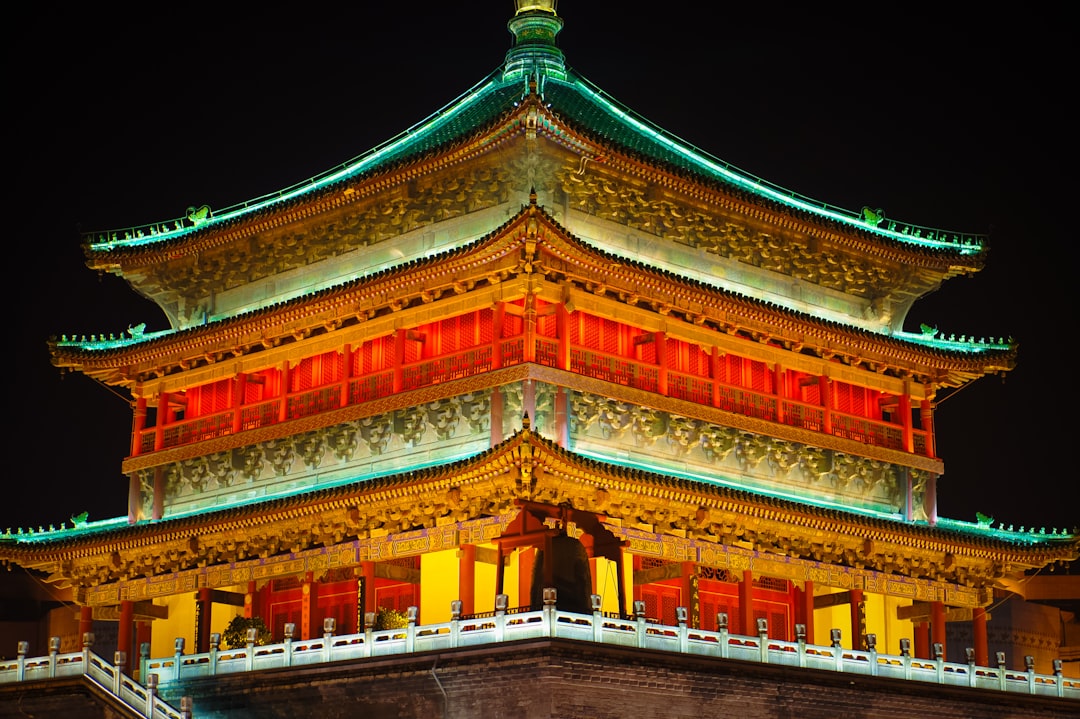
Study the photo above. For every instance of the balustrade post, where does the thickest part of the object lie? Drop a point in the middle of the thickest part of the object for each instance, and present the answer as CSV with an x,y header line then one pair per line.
x,y
215,647
252,636
596,602
54,649
186,704
290,628
722,629
119,662
939,661
87,645
20,658
680,616
1002,670
501,603
838,650
905,656
151,692
410,629
1029,666
800,638
871,647
329,624
639,613
1058,678
455,623
550,595
178,652
763,639
144,659
970,653
369,628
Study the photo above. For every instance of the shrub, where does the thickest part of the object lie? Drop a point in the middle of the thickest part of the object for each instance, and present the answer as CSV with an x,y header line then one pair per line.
x,y
235,635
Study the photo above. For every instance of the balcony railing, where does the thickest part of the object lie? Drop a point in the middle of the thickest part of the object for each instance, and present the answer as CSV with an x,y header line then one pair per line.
x,y
505,626
583,361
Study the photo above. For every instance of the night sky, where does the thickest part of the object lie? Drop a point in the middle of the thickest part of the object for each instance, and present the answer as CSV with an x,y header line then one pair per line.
x,y
955,122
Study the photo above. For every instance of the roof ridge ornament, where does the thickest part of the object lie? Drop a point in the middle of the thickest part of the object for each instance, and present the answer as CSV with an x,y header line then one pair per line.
x,y
535,52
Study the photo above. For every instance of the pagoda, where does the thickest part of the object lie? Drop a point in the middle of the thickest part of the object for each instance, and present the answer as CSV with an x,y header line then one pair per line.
x,y
535,341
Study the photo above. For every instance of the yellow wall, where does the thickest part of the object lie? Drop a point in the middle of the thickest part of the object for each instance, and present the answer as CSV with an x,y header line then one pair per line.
x,y
181,622
438,585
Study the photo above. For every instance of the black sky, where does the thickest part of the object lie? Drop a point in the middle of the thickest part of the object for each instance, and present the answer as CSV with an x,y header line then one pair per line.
x,y
951,121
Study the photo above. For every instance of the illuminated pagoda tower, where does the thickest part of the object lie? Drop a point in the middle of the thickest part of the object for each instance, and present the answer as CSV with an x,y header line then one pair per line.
x,y
535,342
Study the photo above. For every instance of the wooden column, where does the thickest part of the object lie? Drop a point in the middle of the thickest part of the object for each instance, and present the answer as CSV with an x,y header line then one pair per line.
x,y
856,618
691,600
562,329
399,360
497,317
978,633
904,410
249,601
746,603
529,349
86,621
159,421
715,358
663,362
937,624
779,390
138,424
159,493
283,411
922,640
808,609
134,498
825,395
562,417
926,412
124,631
368,569
467,578
346,374
309,606
239,391
526,561
203,615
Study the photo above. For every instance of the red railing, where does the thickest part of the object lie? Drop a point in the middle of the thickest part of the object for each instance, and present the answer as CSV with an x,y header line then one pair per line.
x,y
584,361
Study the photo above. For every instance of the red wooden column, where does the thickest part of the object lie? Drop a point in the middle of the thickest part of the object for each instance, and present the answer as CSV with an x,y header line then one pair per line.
x,y
205,610
937,624
856,618
309,606
86,621
780,390
922,640
715,358
239,391
283,411
138,424
562,417
249,601
926,412
467,578
159,493
134,498
346,373
562,330
978,633
663,362
526,561
498,315
399,360
529,315
904,410
808,609
746,603
368,569
691,598
825,395
124,630
160,420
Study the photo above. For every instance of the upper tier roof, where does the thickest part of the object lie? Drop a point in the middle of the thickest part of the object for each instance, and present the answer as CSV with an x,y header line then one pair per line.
x,y
535,62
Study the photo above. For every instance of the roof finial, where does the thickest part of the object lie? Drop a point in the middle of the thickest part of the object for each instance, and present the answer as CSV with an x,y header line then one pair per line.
x,y
534,27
